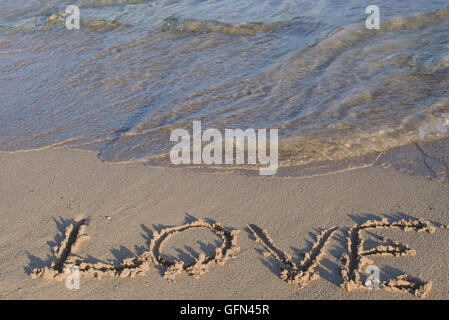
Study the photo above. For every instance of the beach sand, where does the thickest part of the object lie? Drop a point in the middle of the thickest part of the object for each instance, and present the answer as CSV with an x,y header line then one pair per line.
x,y
44,192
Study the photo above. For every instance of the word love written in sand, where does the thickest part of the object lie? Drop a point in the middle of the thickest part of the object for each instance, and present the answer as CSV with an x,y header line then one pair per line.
x,y
300,274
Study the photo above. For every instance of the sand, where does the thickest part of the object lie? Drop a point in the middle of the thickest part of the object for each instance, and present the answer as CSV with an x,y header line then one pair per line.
x,y
138,232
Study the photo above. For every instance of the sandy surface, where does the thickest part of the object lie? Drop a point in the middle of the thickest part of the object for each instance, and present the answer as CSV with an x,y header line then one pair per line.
x,y
43,192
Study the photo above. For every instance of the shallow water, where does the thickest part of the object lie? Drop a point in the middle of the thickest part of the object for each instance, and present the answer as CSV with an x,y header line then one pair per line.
x,y
138,69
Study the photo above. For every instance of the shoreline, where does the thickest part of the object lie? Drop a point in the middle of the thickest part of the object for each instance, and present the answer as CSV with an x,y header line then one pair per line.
x,y
43,192
427,159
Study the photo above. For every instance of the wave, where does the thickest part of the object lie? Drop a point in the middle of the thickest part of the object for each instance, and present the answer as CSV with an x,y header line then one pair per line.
x,y
208,26
335,93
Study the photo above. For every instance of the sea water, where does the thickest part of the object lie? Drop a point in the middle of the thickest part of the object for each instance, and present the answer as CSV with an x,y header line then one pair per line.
x,y
137,70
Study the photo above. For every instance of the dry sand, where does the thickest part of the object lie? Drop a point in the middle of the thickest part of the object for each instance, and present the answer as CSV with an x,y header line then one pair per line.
x,y
259,238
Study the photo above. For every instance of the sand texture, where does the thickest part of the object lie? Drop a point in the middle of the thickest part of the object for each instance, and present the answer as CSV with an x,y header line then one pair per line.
x,y
138,232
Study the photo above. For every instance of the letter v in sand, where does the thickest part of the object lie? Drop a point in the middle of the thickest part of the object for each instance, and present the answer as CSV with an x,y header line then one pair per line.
x,y
296,274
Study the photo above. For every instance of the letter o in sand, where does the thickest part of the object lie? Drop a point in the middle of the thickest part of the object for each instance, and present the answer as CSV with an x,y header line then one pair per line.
x,y
200,266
